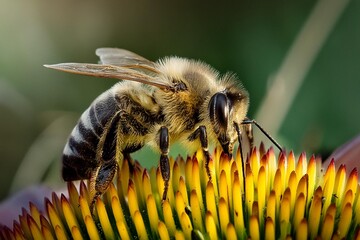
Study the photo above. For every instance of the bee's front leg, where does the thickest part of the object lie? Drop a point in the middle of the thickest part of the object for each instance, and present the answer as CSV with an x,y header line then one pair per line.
x,y
200,132
164,159
249,132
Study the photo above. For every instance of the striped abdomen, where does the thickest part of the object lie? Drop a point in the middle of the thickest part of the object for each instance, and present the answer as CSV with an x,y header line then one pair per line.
x,y
79,156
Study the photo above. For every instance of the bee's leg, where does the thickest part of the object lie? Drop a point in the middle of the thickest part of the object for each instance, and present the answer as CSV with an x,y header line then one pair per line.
x,y
130,126
103,175
200,132
164,159
249,134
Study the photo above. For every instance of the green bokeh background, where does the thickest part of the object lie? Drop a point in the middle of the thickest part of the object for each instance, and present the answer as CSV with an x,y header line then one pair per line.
x,y
39,107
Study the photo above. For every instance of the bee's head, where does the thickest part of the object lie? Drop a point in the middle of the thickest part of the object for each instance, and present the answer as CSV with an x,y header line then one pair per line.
x,y
225,108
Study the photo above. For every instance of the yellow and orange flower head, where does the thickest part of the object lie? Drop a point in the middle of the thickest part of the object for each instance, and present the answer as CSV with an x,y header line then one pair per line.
x,y
282,198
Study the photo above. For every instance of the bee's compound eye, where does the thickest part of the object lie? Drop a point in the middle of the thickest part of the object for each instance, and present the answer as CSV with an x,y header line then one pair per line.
x,y
219,110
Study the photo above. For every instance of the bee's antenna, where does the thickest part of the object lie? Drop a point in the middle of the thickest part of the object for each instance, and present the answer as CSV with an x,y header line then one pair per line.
x,y
252,121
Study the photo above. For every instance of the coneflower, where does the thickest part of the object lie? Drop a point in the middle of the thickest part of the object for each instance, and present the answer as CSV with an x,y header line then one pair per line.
x,y
281,198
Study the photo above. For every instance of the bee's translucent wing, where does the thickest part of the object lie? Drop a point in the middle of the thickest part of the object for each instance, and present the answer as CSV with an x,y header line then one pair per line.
x,y
110,71
122,57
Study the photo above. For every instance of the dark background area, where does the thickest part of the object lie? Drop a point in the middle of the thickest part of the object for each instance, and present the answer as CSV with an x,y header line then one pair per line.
x,y
39,107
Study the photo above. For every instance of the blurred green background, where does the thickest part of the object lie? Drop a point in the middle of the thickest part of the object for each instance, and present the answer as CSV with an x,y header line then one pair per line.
x,y
39,107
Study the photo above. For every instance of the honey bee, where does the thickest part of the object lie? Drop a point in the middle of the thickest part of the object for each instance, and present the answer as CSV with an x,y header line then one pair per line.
x,y
173,99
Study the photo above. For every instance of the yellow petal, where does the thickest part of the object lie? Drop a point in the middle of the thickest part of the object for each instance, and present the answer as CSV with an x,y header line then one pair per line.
x,y
179,235
84,191
69,214
46,232
223,186
328,185
186,225
238,208
163,232
124,176
225,166
301,166
230,232
345,220
46,229
214,177
146,184
223,215
249,188
179,203
239,163
262,186
34,228
284,215
116,205
269,229
328,227
357,207
152,213
352,182
292,184
133,201
211,226
299,210
183,190
254,232
168,218
340,184
233,174
285,208
196,183
290,165
76,234
302,230
188,173
302,188
211,202
122,229
196,214
104,219
87,218
140,226
314,215
348,198
137,179
60,233
283,170
35,214
271,167
54,218
74,198
311,172
254,162
176,176
278,188
271,207
91,227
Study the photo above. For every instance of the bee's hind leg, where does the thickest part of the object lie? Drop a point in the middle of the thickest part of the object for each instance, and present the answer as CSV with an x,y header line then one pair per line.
x,y
164,159
102,176
102,179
